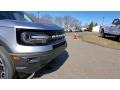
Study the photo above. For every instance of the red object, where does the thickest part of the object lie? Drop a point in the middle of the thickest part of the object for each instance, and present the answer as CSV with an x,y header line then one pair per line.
x,y
75,36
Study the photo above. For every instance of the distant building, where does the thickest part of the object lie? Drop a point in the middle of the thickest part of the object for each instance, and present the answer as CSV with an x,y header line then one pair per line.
x,y
96,29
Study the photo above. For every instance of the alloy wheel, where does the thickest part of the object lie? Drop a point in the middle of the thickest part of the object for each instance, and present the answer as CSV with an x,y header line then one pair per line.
x,y
2,69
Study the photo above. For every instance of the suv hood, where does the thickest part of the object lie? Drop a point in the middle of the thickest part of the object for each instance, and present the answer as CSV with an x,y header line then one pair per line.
x,y
28,25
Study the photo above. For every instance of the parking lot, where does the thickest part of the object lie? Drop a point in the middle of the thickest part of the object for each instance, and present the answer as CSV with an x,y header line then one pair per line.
x,y
83,60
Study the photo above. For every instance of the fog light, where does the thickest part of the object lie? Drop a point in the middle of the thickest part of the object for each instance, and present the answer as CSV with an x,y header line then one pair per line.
x,y
16,58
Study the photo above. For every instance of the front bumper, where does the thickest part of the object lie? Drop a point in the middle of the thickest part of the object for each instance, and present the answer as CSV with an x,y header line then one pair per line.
x,y
32,62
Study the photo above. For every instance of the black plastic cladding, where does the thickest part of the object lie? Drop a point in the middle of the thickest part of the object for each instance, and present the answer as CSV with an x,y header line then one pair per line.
x,y
47,32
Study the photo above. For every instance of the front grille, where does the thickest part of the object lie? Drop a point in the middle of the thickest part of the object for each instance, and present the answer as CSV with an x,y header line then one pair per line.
x,y
49,33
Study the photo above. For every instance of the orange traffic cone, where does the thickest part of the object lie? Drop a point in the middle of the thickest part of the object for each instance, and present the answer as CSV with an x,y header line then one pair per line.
x,y
75,36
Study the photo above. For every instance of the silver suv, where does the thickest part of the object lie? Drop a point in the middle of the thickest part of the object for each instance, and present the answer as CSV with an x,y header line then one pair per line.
x,y
26,46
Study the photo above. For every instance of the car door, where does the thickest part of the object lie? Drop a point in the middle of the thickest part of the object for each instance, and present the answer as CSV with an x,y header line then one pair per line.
x,y
116,30
110,29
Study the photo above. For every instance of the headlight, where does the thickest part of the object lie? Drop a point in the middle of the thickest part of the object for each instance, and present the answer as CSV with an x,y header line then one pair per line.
x,y
34,38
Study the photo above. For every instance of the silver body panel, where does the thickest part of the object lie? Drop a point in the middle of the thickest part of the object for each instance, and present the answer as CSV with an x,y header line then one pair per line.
x,y
28,25
112,29
8,36
33,57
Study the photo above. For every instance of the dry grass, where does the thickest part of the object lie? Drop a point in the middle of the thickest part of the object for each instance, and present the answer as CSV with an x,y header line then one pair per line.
x,y
95,39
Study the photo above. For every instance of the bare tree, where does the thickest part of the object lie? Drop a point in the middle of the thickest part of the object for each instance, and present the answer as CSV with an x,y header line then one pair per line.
x,y
58,21
71,23
67,22
86,25
46,19
33,17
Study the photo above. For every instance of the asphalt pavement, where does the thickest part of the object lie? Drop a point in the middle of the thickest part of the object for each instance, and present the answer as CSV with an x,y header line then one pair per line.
x,y
83,60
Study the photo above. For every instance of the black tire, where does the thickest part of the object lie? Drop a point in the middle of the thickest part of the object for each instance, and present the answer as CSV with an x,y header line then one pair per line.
x,y
6,65
102,34
119,38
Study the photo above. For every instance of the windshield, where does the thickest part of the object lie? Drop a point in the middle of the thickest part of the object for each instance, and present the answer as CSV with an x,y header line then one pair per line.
x,y
14,15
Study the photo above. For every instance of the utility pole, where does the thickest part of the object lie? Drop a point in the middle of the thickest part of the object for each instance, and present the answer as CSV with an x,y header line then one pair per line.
x,y
103,20
38,16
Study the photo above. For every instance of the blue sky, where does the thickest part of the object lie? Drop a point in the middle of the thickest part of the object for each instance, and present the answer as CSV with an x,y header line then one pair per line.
x,y
87,16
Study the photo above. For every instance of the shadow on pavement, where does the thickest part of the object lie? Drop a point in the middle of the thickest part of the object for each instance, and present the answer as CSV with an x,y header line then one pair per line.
x,y
53,65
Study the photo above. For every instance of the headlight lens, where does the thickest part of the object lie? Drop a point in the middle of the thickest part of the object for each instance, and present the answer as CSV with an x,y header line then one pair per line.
x,y
34,38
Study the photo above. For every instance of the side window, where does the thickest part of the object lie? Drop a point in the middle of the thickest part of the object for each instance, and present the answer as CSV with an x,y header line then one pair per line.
x,y
21,16
18,16
27,18
116,21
